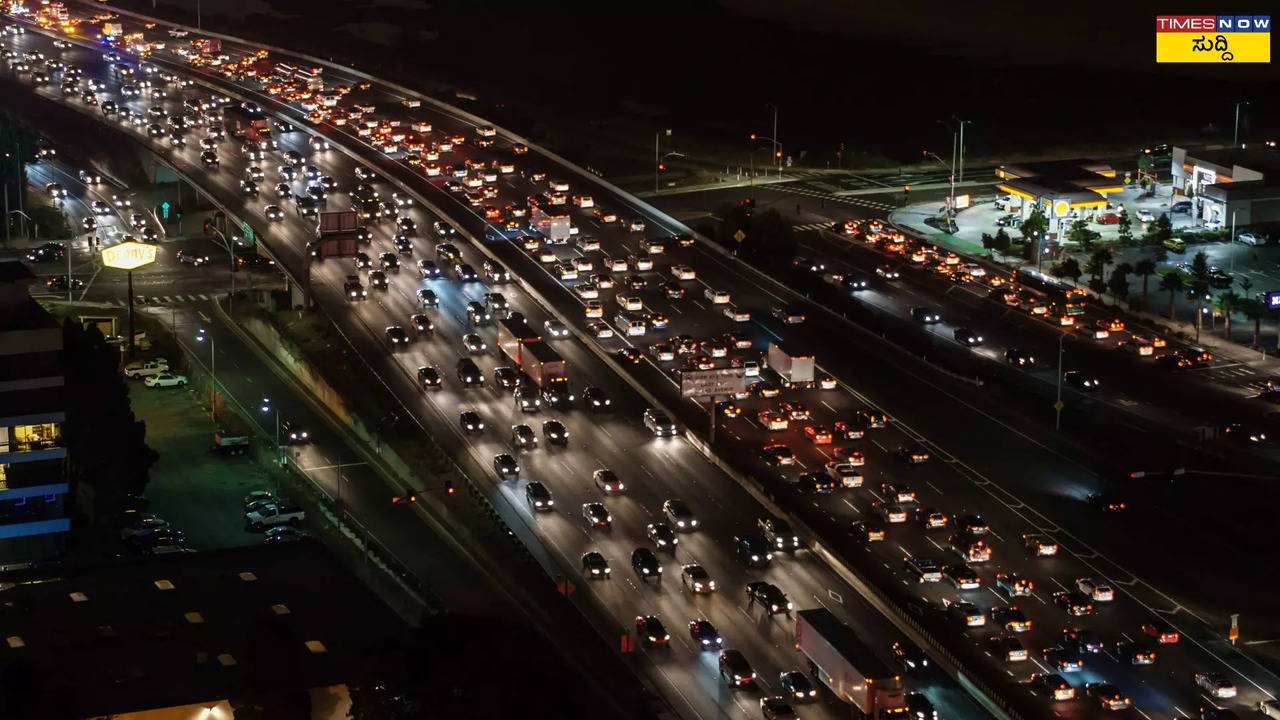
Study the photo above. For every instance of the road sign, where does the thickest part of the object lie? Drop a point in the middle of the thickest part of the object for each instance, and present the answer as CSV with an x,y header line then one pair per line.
x,y
164,209
248,233
739,236
128,255
708,383
1234,633
1273,300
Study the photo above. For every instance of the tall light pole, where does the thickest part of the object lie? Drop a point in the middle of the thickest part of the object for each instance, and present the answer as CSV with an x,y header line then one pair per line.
x,y
1231,246
961,167
1057,405
777,153
657,159
202,336
267,408
1235,139
951,202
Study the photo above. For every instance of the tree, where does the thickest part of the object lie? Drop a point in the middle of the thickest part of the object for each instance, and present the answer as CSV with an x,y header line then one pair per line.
x,y
1254,309
1002,241
1172,283
1100,259
1126,228
1035,226
989,244
19,145
1118,284
1226,303
106,444
1144,269
1163,228
1069,268
1080,234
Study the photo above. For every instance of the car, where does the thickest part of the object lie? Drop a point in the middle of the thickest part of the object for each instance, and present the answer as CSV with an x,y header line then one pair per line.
x,y
925,316
397,337
1083,641
964,612
272,514
1097,591
1014,585
680,515
1109,503
768,596
1107,695
777,455
659,424
1039,545
651,631
846,474
470,421
735,670
1216,684
1163,632
967,337
1019,357
797,686
818,435
645,563
909,655
776,707
538,497
890,513
896,491
913,455
932,518
555,432
273,213
1134,653
1073,603
919,707
473,344
1061,659
753,550
523,437
378,280
607,481
661,535
1107,218
1010,618
867,531
962,576
597,516
1080,381
60,283
596,400
696,579
1053,686
972,524
429,377
1270,708
705,635
1243,434
595,566
1008,648
141,525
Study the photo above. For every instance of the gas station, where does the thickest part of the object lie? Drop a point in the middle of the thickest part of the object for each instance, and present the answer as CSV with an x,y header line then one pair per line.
x,y
1064,190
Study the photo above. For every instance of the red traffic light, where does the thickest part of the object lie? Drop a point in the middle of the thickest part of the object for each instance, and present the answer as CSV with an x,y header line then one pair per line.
x,y
753,136
661,166
448,487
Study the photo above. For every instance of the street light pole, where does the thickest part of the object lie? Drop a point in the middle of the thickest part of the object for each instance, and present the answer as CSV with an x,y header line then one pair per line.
x,y
1231,246
1057,405
961,170
1235,139
776,155
656,163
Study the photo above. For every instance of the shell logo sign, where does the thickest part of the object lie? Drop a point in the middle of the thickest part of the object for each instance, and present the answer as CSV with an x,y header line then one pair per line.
x,y
128,255
1061,208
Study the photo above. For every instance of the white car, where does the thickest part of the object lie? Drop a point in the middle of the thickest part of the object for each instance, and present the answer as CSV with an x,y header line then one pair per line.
x,y
555,329
146,369
165,380
1146,216
1249,238
587,291
600,329
718,297
1096,591
683,272
844,473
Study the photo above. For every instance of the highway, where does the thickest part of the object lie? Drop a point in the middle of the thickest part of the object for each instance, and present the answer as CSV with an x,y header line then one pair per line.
x,y
673,466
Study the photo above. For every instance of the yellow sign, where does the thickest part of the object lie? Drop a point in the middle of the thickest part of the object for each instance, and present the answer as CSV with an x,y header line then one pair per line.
x,y
128,255
1220,39
1061,208
1221,48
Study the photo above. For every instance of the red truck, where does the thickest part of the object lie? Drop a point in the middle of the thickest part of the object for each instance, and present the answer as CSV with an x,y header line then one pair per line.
x,y
337,235
844,663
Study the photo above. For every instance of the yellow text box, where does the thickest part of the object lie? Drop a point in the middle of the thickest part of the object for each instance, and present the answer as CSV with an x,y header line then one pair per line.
x,y
1222,48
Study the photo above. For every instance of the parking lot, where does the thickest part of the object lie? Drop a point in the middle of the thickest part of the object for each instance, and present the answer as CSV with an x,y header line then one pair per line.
x,y
197,491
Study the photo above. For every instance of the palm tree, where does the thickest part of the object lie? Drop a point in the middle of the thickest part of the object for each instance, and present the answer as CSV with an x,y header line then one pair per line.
x,y
1144,268
1254,309
1172,284
1226,303
1101,258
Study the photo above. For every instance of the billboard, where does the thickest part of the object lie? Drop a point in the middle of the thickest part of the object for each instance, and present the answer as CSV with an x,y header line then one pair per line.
x,y
710,383
1273,300
128,255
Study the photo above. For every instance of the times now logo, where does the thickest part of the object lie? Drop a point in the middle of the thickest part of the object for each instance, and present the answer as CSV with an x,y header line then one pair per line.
x,y
1213,23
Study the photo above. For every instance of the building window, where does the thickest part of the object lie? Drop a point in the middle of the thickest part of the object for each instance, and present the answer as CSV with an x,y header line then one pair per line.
x,y
4,477
36,437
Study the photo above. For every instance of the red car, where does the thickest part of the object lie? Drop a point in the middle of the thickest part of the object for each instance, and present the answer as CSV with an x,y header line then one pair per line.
x,y
1161,631
1107,219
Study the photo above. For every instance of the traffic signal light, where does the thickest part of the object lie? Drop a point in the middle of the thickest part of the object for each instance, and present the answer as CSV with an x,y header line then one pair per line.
x,y
662,166
448,487
404,499
778,154
753,136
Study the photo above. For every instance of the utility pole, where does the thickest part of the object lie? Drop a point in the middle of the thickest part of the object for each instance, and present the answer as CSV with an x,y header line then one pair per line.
x,y
1235,138
1057,405
656,162
777,156
961,170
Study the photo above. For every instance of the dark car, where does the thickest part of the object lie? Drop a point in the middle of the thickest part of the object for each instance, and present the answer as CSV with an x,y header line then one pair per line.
x,y
1019,357
967,337
1080,381
555,432
646,564
661,535
469,374
735,669
539,497
595,567
470,421
429,377
909,656
428,270
48,252
506,466
598,517
651,631
705,635
768,596
753,550
294,432
797,686
596,400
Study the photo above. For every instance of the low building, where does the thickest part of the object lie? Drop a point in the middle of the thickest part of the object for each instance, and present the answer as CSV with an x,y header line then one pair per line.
x,y
33,482
1222,182
1063,189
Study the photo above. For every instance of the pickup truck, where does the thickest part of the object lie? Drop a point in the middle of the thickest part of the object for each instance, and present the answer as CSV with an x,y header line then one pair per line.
x,y
143,369
778,534
272,514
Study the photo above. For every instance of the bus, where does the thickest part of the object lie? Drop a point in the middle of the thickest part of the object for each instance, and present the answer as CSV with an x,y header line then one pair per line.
x,y
1071,299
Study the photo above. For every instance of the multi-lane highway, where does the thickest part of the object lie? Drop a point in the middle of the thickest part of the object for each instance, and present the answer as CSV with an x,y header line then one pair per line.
x,y
959,480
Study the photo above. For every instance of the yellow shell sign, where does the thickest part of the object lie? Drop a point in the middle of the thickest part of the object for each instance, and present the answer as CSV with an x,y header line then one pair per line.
x,y
1061,208
128,255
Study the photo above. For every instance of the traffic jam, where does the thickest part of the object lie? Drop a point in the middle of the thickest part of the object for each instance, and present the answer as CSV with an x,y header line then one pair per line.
x,y
660,306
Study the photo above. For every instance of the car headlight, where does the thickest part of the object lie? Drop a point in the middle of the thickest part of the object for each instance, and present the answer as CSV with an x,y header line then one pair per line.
x,y
680,523
706,641
755,558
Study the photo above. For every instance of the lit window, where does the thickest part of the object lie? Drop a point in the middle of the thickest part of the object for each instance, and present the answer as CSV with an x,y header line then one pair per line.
x,y
36,437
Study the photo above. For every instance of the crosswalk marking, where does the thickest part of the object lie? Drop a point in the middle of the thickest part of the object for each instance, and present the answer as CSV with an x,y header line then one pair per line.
x,y
813,226
857,201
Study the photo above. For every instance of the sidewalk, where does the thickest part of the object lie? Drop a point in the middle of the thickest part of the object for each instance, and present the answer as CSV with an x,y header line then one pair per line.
x,y
980,218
